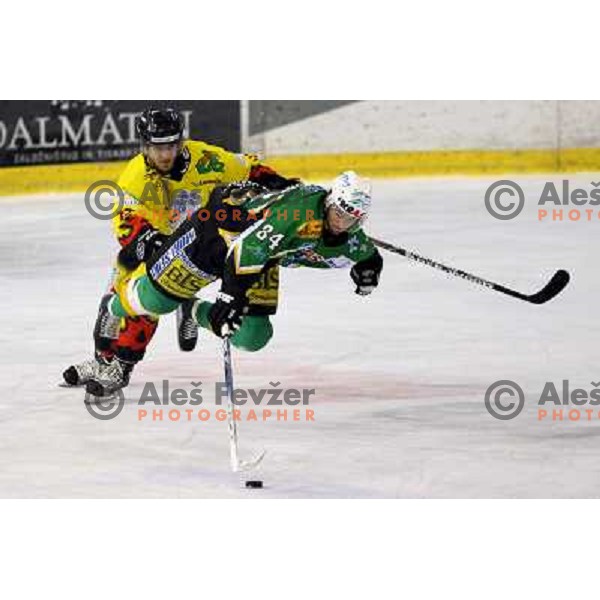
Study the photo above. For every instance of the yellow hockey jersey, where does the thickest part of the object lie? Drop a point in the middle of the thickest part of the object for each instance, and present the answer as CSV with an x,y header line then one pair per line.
x,y
165,201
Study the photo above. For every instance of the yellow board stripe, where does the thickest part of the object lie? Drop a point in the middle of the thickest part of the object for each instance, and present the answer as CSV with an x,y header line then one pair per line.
x,y
78,177
447,162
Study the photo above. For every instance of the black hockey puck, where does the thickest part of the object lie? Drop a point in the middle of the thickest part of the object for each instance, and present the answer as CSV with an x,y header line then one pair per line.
x,y
254,483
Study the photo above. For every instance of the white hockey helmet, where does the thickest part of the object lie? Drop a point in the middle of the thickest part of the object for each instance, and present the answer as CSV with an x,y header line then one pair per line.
x,y
351,194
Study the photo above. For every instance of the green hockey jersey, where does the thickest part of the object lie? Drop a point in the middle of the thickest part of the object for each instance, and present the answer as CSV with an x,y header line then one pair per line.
x,y
291,232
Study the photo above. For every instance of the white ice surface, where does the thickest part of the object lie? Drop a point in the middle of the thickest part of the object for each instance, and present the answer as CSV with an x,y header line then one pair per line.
x,y
399,377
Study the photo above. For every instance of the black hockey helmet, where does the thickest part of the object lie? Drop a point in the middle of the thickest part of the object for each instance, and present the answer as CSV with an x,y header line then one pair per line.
x,y
160,126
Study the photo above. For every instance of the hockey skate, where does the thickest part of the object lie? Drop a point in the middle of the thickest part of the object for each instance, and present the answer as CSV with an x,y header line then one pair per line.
x,y
81,373
187,328
111,377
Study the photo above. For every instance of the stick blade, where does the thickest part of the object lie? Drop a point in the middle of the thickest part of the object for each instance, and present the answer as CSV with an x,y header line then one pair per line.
x,y
555,286
248,465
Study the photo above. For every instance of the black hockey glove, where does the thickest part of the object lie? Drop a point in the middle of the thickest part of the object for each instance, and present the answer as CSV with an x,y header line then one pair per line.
x,y
365,274
242,190
270,179
141,248
225,317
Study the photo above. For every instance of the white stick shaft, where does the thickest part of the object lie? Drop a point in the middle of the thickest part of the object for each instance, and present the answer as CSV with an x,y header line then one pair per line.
x,y
231,425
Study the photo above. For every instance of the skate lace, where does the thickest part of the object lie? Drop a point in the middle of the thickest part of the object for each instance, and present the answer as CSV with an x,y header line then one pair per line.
x,y
113,372
88,368
189,329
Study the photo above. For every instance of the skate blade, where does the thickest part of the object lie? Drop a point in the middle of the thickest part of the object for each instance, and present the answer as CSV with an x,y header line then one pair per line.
x,y
91,399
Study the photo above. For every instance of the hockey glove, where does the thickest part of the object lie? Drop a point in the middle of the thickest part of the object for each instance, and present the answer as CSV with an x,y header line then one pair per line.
x,y
242,190
270,179
141,248
225,317
365,274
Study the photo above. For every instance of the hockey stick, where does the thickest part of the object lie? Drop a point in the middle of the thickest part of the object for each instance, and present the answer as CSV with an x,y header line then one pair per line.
x,y
236,463
557,283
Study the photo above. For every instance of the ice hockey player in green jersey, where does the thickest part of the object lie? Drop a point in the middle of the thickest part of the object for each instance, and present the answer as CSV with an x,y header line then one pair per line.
x,y
242,237
307,227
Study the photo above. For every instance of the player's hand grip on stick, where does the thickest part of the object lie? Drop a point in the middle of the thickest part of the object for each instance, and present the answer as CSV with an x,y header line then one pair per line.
x,y
365,274
226,315
557,283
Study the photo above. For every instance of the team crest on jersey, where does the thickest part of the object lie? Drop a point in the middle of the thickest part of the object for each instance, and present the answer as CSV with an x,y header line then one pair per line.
x,y
209,162
311,230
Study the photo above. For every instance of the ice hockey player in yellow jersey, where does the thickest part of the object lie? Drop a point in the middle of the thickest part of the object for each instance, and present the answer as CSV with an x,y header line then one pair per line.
x,y
163,185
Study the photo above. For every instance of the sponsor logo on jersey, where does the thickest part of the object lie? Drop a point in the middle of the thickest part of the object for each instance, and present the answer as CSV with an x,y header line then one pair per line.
x,y
173,252
307,255
180,280
185,203
265,292
310,230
